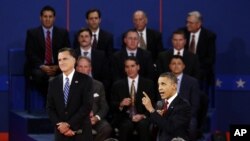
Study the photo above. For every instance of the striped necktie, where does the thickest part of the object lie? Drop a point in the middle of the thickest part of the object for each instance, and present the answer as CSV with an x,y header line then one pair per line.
x,y
66,91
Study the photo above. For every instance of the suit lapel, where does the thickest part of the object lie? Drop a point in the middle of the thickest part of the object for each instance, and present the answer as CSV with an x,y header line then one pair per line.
x,y
172,106
61,94
127,92
41,38
54,38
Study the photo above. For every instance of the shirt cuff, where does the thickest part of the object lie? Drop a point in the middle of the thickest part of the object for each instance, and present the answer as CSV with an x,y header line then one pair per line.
x,y
98,117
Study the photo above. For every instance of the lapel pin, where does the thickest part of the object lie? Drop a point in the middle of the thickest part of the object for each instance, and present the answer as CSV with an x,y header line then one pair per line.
x,y
76,81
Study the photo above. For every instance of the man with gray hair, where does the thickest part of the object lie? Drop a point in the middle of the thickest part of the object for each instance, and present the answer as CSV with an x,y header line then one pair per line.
x,y
150,39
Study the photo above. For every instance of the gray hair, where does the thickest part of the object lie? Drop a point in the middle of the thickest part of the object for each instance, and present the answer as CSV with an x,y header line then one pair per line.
x,y
197,15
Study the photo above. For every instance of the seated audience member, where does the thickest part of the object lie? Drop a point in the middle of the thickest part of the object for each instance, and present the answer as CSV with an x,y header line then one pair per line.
x,y
100,106
129,113
187,88
191,60
174,117
98,59
149,39
144,58
42,45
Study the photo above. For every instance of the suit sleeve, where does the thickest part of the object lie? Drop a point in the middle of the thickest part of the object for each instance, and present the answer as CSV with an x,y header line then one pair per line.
x,y
103,106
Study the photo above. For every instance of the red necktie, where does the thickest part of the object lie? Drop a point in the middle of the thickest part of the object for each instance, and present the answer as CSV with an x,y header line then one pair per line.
x,y
48,50
165,107
192,44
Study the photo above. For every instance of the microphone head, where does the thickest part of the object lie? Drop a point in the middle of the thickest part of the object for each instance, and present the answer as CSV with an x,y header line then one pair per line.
x,y
78,131
159,105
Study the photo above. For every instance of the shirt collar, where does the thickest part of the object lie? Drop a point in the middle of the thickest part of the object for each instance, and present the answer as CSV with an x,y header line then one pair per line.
x,y
131,51
176,51
70,76
170,100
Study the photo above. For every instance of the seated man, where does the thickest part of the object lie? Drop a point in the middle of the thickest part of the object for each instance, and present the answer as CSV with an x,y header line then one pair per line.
x,y
42,45
129,113
100,106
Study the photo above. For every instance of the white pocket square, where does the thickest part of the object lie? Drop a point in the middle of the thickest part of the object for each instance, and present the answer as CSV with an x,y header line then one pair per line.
x,y
96,95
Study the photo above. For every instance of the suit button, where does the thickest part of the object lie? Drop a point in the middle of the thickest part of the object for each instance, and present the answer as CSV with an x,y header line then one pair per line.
x,y
65,113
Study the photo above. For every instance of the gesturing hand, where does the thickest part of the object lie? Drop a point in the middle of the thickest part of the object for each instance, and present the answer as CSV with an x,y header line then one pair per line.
x,y
147,102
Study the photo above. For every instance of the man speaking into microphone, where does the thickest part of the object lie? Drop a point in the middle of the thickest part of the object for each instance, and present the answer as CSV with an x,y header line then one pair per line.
x,y
174,117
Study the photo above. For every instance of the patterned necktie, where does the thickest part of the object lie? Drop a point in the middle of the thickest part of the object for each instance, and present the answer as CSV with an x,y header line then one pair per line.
x,y
142,42
132,96
48,49
94,44
192,44
66,90
132,54
85,53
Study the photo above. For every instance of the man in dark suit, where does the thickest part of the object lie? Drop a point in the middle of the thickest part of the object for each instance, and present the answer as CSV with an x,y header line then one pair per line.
x,y
152,39
187,88
101,39
131,40
70,100
100,105
98,59
129,113
41,41
203,47
191,61
173,120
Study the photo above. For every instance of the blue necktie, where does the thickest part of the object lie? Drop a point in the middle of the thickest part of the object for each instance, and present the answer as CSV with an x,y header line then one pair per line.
x,y
66,91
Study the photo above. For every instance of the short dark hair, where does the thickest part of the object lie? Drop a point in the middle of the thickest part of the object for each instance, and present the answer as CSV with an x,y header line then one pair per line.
x,y
48,8
179,32
177,57
83,30
91,11
131,58
170,76
129,30
70,50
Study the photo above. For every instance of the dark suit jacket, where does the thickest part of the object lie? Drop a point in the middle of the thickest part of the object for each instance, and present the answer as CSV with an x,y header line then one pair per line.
x,y
189,90
100,68
145,61
120,90
191,61
100,105
106,42
206,50
35,45
154,42
176,121
76,113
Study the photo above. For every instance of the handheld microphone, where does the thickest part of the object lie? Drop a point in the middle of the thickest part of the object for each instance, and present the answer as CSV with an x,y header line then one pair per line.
x,y
159,105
